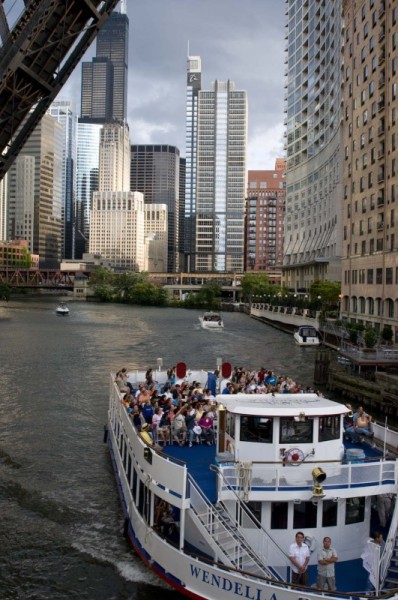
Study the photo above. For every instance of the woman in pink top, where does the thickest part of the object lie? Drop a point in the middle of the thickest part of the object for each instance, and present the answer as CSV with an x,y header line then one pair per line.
x,y
206,423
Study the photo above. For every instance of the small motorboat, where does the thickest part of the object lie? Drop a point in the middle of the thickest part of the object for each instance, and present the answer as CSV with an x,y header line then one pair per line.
x,y
306,336
211,320
62,310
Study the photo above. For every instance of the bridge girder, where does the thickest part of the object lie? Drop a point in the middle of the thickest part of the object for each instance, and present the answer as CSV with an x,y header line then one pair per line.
x,y
37,57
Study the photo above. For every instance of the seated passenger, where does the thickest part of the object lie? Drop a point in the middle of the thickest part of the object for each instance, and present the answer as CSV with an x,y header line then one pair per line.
x,y
362,426
206,423
179,428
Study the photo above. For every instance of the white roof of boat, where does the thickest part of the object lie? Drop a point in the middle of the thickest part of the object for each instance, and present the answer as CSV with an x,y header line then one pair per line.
x,y
280,405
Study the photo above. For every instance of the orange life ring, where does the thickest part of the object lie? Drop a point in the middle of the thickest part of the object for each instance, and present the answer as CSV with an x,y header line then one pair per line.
x,y
294,456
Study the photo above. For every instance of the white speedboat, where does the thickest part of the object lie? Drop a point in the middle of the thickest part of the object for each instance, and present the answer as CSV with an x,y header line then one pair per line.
x,y
306,336
62,310
211,320
279,465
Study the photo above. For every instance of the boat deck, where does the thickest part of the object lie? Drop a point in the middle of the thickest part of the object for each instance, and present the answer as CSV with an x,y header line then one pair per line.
x,y
350,575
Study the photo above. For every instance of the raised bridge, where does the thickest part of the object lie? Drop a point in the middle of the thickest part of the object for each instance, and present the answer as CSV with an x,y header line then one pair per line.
x,y
42,41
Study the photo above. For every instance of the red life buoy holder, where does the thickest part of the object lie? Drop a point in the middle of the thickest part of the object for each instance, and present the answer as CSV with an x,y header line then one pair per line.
x,y
294,456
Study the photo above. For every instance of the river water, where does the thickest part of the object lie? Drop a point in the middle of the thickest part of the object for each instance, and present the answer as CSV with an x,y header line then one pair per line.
x,y
60,518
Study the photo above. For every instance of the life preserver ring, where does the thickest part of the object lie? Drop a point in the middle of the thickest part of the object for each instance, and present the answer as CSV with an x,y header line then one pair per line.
x,y
294,456
311,542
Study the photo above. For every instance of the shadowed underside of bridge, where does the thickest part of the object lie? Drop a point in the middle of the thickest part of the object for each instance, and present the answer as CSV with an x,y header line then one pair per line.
x,y
37,56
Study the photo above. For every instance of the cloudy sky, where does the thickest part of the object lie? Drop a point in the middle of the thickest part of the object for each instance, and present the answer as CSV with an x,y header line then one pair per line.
x,y
241,40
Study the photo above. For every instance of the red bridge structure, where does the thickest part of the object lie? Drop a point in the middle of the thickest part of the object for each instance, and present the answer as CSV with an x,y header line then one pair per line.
x,y
43,278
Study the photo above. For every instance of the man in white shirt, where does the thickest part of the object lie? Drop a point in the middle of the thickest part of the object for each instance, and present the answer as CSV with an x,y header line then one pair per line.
x,y
327,556
299,555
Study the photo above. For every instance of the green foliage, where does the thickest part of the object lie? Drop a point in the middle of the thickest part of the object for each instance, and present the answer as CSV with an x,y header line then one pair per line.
x,y
101,276
255,284
5,292
209,295
146,294
353,336
104,292
329,291
387,333
370,337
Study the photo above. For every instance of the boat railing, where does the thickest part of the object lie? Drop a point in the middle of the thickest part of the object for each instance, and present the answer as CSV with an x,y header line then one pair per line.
x,y
227,538
283,478
255,534
389,546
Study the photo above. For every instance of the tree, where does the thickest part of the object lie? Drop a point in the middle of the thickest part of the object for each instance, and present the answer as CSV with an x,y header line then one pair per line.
x,y
387,333
101,276
209,295
370,337
5,292
328,291
255,284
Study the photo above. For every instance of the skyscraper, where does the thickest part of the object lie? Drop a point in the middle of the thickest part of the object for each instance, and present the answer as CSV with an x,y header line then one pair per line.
x,y
313,224
87,180
155,173
194,84
40,164
104,79
117,215
220,179
63,112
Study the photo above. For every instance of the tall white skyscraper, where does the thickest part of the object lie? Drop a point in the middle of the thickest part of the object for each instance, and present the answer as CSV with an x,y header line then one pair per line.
x,y
215,182
221,178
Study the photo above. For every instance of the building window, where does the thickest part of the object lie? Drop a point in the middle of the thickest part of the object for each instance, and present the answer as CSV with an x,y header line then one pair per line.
x,y
370,276
389,276
379,276
355,510
279,512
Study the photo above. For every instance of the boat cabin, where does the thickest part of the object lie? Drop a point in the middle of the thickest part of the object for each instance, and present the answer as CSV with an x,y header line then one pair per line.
x,y
287,427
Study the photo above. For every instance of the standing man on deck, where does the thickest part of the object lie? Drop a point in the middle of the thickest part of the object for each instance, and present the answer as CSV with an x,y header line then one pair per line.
x,y
299,555
327,556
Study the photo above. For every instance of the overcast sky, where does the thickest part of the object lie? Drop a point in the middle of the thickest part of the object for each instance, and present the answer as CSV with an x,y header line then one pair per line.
x,y
240,40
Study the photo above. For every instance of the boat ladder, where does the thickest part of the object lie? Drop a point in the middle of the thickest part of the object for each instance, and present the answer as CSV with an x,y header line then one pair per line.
x,y
225,538
389,558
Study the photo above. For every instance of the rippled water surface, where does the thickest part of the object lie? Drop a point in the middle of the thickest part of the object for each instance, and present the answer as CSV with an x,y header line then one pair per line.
x,y
61,521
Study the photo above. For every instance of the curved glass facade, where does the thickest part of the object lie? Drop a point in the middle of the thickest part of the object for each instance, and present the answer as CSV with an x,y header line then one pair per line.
x,y
313,134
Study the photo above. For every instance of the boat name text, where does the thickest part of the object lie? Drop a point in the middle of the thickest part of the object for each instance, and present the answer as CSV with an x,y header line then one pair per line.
x,y
223,583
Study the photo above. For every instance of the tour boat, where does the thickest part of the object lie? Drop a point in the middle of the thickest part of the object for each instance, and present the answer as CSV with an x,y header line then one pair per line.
x,y
306,336
62,310
211,320
216,522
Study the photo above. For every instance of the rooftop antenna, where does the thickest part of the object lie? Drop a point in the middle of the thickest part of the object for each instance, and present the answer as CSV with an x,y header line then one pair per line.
x,y
188,48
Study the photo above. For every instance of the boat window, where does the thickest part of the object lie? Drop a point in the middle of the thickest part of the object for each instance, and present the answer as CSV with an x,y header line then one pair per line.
x,y
134,486
230,426
354,510
304,515
296,429
329,513
256,429
254,509
279,512
329,428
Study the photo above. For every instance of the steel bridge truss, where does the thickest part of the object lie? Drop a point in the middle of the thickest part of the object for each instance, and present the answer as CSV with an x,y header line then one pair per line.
x,y
36,58
45,278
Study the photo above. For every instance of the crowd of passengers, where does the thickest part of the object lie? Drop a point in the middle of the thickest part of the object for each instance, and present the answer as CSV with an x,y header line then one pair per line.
x,y
184,413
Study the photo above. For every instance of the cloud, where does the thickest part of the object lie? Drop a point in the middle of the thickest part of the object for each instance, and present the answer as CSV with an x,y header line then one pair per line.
x,y
240,40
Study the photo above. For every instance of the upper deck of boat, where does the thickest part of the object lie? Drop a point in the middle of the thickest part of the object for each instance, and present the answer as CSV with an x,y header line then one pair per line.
x,y
274,405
